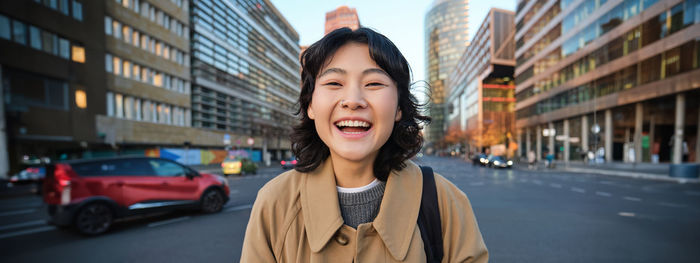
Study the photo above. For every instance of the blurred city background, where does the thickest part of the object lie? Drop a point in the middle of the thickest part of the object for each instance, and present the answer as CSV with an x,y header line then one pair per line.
x,y
591,106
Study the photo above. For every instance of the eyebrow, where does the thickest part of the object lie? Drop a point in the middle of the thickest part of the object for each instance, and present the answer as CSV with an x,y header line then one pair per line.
x,y
365,72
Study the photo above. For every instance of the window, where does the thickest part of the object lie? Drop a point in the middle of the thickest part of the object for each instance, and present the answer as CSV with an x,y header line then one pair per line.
x,y
77,10
64,7
126,3
167,168
108,63
129,108
80,99
47,41
146,106
137,72
4,27
35,37
144,42
135,38
159,48
119,100
127,69
19,32
122,167
117,66
110,104
136,5
158,80
108,25
27,89
117,29
126,32
78,54
137,108
64,48
166,52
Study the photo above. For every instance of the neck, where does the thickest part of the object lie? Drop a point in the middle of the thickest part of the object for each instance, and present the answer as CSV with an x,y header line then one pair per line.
x,y
350,174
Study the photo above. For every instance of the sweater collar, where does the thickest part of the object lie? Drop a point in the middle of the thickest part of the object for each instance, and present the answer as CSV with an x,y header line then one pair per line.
x,y
395,222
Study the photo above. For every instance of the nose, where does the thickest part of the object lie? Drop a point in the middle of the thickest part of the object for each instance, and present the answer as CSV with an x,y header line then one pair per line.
x,y
353,100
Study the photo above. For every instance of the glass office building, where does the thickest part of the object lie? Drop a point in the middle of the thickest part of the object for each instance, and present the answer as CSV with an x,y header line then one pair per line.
x,y
245,71
446,37
618,78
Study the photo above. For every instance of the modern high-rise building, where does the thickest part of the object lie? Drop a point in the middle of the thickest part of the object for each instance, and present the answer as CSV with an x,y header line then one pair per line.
x,y
480,89
342,16
245,72
619,79
147,63
51,66
446,37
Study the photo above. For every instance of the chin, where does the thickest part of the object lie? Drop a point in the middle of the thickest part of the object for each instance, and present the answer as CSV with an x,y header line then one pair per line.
x,y
355,155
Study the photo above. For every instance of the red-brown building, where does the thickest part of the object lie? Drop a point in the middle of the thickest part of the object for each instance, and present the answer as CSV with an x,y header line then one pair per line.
x,y
342,16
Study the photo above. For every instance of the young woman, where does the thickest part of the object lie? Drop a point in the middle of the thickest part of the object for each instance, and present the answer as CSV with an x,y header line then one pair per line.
x,y
354,196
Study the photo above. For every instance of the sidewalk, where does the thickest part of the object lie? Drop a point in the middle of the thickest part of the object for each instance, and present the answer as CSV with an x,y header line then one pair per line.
x,y
648,171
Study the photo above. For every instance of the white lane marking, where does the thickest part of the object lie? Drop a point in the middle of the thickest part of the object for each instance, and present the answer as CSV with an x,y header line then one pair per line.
x,y
631,198
169,221
18,225
578,190
238,208
28,231
555,185
537,182
603,194
477,184
17,212
627,214
671,204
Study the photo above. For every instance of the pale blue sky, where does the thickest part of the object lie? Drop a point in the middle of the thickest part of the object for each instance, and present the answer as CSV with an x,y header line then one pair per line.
x,y
400,21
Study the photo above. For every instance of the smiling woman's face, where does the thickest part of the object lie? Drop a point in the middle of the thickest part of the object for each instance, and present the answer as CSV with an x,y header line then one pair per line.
x,y
354,104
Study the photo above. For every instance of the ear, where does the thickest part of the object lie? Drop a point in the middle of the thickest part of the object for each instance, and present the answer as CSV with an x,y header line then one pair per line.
x,y
310,112
398,115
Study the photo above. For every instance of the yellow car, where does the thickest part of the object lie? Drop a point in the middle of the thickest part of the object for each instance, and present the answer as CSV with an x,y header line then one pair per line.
x,y
231,165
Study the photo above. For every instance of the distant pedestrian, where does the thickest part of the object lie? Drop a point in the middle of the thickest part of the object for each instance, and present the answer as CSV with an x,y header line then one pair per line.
x,y
354,194
531,159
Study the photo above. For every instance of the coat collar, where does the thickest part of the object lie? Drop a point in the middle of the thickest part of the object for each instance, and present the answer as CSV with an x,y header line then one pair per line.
x,y
395,223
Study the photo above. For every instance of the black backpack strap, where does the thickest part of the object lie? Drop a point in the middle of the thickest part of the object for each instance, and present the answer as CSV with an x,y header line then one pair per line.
x,y
429,218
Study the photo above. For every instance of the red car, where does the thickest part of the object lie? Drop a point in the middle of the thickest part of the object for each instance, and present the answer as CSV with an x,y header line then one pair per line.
x,y
90,194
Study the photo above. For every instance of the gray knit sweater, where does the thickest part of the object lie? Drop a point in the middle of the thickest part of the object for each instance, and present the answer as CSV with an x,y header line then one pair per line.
x,y
361,207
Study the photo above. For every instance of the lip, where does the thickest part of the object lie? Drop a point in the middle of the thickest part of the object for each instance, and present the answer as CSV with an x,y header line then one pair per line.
x,y
352,136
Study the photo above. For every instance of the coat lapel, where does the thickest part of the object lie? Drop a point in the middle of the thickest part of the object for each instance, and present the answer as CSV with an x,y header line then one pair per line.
x,y
320,206
398,213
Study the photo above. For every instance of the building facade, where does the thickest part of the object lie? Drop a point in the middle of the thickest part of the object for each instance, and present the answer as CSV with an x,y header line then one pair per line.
x,y
245,72
615,80
446,37
342,16
480,89
52,79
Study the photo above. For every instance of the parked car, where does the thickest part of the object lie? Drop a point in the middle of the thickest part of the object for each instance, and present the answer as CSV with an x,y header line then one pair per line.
x,y
480,159
289,163
90,194
231,165
30,175
499,162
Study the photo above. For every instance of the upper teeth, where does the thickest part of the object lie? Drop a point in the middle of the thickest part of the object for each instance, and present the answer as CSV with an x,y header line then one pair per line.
x,y
352,123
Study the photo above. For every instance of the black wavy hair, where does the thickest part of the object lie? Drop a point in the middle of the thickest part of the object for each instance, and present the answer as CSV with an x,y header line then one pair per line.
x,y
405,140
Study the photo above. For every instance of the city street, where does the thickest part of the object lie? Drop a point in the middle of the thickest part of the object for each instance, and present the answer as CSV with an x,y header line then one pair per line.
x,y
524,216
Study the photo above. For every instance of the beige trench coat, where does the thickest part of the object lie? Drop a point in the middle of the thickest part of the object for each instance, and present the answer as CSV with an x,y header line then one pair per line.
x,y
296,218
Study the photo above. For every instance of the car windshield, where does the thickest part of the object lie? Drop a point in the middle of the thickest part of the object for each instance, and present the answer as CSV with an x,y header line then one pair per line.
x,y
232,159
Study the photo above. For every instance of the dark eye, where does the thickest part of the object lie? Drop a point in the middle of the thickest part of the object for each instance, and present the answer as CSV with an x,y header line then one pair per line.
x,y
375,84
332,83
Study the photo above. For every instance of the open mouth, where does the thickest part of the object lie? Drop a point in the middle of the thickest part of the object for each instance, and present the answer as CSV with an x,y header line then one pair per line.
x,y
353,126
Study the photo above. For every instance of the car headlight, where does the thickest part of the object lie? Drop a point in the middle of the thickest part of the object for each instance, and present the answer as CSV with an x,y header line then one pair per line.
x,y
496,162
483,160
510,162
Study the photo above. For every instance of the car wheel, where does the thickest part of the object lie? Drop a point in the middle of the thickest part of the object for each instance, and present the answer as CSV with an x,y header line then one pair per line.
x,y
212,201
94,219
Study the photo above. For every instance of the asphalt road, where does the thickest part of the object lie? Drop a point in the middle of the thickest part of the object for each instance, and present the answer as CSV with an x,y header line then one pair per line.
x,y
525,216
